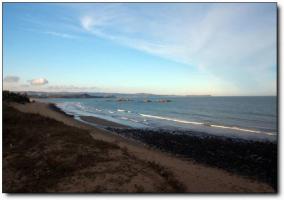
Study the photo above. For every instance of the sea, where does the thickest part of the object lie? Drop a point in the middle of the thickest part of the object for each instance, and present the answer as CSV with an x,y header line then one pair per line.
x,y
245,117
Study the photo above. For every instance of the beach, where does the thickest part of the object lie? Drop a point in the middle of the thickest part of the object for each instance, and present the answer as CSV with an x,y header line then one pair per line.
x,y
181,174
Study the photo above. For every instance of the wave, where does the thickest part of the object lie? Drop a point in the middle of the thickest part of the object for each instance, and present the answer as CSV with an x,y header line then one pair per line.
x,y
171,119
240,129
206,124
81,109
134,120
76,105
120,110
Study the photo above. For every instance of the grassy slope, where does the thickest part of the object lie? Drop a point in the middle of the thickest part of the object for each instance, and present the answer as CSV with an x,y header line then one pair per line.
x,y
43,155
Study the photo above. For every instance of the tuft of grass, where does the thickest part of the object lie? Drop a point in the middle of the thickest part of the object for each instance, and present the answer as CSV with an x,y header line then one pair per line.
x,y
168,176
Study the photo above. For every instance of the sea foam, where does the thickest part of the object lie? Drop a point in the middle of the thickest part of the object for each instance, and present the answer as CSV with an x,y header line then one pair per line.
x,y
206,124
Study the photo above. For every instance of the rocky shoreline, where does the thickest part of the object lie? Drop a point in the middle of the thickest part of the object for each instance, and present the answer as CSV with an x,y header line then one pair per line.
x,y
253,159
194,176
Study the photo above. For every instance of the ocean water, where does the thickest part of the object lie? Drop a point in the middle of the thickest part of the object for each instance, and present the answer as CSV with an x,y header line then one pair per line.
x,y
239,117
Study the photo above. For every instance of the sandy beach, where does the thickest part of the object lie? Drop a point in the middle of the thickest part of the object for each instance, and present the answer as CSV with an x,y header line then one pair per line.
x,y
195,177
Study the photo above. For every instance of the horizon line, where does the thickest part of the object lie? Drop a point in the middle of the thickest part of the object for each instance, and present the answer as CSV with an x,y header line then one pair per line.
x,y
137,93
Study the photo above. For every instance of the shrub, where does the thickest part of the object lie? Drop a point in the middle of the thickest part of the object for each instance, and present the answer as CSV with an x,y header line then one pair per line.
x,y
15,97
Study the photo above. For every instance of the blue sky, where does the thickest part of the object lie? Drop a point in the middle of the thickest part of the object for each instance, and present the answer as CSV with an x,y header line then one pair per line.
x,y
162,48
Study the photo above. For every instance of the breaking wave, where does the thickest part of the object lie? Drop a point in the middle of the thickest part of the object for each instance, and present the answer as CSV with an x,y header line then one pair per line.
x,y
205,124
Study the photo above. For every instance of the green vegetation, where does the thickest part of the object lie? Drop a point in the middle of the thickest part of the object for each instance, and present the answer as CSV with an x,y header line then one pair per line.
x,y
15,97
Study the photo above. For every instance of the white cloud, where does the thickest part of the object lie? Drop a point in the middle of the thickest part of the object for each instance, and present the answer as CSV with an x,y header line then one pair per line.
x,y
38,81
221,34
11,79
99,16
235,42
87,22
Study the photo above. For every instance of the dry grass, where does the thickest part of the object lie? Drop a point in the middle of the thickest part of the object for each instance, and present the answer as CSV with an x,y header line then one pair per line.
x,y
43,155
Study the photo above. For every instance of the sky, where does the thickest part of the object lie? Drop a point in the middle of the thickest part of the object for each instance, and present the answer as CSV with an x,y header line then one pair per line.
x,y
222,49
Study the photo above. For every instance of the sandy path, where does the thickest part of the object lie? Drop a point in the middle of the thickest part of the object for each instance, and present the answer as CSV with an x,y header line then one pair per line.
x,y
196,177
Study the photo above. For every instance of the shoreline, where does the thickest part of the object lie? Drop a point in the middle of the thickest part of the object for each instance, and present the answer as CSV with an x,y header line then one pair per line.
x,y
197,177
211,150
95,121
242,157
217,129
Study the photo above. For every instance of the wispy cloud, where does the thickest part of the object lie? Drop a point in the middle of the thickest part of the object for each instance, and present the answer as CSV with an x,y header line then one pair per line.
x,y
225,40
87,22
11,79
62,35
232,43
11,82
222,28
209,36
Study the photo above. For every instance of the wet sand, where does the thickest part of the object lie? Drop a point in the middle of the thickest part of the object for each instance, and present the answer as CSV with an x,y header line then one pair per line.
x,y
102,122
195,177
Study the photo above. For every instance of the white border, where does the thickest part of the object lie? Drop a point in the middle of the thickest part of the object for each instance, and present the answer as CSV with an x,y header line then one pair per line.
x,y
165,196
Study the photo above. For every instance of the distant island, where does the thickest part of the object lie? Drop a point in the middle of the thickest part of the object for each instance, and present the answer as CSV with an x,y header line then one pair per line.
x,y
68,95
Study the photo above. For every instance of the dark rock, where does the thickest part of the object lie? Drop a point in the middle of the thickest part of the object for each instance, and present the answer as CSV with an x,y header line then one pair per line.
x,y
254,159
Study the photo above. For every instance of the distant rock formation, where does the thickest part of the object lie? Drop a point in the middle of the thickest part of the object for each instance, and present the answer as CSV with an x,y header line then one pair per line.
x,y
164,101
147,101
123,99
